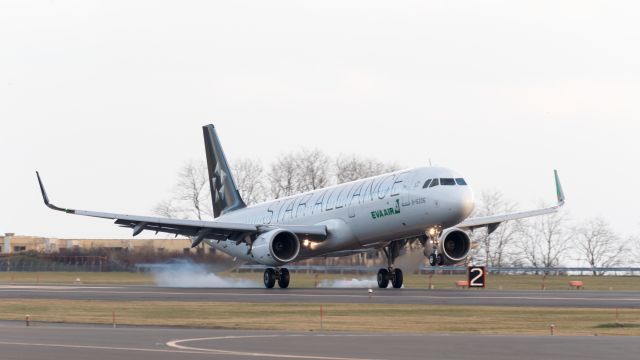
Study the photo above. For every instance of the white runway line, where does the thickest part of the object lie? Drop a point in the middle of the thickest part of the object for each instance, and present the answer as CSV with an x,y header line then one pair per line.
x,y
175,344
55,287
92,347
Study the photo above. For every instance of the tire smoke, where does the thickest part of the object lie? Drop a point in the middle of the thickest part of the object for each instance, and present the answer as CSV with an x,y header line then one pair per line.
x,y
410,261
186,274
369,282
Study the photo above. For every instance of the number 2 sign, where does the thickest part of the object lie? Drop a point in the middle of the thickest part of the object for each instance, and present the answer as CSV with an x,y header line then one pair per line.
x,y
477,276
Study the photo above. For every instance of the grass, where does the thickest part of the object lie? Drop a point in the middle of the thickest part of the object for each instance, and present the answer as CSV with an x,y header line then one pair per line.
x,y
304,280
336,317
123,278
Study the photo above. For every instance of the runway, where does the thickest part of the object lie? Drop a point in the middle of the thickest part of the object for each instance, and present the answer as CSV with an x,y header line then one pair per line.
x,y
575,298
88,342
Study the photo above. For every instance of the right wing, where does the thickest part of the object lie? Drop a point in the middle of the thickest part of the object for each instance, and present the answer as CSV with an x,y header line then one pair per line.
x,y
492,222
196,230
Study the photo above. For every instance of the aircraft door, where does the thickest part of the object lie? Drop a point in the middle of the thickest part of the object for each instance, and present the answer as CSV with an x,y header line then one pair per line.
x,y
352,211
407,184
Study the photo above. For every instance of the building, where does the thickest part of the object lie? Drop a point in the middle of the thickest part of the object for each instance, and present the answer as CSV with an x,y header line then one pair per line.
x,y
12,244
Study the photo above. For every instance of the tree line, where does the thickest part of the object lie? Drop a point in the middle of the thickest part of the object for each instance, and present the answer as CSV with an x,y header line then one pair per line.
x,y
546,241
291,173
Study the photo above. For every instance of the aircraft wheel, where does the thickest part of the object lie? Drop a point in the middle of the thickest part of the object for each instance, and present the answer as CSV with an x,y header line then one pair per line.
x,y
440,259
283,278
397,279
383,278
269,278
433,259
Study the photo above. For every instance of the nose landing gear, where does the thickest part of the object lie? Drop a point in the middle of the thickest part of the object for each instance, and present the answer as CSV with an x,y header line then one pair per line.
x,y
435,258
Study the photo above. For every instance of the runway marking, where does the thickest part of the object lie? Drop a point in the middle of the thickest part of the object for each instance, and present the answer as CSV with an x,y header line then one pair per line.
x,y
175,344
55,287
93,347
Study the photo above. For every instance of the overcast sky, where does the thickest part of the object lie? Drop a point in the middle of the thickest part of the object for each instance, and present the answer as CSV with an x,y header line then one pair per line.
x,y
107,99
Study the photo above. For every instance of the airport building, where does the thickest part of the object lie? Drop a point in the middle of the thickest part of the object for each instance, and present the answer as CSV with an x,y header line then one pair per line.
x,y
12,244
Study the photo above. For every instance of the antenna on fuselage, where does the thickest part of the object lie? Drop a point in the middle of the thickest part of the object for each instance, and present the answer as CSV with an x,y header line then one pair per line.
x,y
430,162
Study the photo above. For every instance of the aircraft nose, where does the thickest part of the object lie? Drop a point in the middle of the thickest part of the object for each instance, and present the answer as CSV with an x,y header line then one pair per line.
x,y
467,202
461,203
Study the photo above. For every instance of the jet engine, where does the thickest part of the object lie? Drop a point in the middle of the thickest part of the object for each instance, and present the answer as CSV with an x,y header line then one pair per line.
x,y
453,246
275,247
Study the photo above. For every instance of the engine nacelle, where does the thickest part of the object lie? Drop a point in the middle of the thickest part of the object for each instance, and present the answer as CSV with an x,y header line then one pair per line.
x,y
454,245
275,247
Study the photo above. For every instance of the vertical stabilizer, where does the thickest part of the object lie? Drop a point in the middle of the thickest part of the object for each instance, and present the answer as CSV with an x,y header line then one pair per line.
x,y
224,194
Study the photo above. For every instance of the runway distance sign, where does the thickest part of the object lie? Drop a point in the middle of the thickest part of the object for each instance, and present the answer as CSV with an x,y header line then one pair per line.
x,y
477,276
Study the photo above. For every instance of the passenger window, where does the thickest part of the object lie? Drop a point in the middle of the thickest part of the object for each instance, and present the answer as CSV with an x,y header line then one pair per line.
x,y
460,181
426,184
435,182
447,181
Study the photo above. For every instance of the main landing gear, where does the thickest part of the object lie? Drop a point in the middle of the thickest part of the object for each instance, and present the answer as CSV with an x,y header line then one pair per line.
x,y
272,275
390,274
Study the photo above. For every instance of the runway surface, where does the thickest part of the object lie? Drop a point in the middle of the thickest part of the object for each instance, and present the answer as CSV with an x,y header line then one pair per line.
x,y
81,343
575,298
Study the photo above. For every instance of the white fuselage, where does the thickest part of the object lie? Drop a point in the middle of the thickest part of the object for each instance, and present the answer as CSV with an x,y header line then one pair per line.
x,y
363,213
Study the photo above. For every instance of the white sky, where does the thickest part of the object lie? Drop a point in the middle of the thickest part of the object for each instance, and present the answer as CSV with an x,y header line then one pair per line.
x,y
107,99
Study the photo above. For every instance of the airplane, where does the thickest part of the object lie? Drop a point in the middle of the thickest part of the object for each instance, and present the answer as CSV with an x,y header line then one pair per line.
x,y
432,204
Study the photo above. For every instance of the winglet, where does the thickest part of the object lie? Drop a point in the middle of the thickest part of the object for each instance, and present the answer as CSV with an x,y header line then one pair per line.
x,y
559,191
42,190
45,198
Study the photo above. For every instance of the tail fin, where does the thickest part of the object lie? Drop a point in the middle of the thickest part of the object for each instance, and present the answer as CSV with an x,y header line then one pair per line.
x,y
224,194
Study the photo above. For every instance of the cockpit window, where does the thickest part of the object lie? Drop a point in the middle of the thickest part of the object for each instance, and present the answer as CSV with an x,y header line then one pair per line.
x,y
435,182
426,184
460,181
447,181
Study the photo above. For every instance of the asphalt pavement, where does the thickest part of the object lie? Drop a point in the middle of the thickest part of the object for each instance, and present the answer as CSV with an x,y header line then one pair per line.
x,y
571,298
73,342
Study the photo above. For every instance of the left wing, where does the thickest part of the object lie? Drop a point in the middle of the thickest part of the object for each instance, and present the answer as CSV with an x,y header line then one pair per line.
x,y
492,222
196,230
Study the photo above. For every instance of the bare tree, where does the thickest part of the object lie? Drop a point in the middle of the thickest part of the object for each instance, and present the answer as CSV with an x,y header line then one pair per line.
x,y
297,172
313,170
168,209
635,252
249,177
497,248
353,167
193,188
546,240
598,244
283,176
191,194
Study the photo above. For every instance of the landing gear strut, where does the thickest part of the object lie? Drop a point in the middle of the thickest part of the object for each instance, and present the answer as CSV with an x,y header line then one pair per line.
x,y
390,274
282,276
436,259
